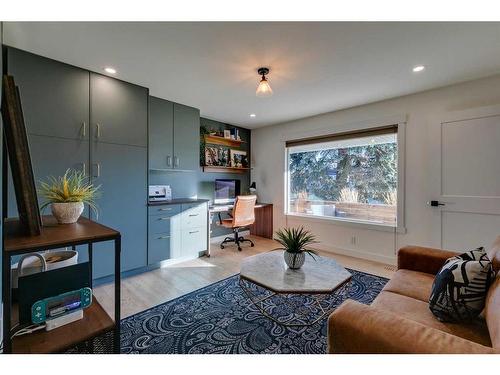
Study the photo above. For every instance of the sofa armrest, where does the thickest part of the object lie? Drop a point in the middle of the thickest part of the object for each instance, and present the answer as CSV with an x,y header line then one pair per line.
x,y
363,329
423,259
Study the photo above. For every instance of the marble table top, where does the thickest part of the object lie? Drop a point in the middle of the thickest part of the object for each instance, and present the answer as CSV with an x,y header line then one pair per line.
x,y
269,270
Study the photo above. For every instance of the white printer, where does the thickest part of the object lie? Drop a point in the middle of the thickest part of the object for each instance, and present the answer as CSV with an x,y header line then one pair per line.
x,y
159,193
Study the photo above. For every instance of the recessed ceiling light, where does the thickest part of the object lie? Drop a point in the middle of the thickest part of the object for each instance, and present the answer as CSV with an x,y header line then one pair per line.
x,y
110,70
252,114
418,68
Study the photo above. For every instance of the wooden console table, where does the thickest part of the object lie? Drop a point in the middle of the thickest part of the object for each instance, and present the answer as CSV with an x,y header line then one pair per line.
x,y
95,320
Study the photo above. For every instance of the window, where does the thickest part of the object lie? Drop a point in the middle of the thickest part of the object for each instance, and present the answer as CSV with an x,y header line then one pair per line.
x,y
351,176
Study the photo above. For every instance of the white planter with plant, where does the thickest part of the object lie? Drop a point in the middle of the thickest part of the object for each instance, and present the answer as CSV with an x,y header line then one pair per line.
x,y
294,241
67,195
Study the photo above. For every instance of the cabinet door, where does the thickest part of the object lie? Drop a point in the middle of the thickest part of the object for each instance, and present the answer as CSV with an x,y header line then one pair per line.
x,y
186,137
121,172
51,156
55,96
118,111
161,131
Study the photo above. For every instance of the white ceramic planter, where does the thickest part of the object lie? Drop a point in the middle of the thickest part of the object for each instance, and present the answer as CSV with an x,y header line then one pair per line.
x,y
294,260
67,213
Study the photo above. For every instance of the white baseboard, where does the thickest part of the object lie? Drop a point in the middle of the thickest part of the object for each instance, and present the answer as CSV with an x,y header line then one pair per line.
x,y
358,254
219,239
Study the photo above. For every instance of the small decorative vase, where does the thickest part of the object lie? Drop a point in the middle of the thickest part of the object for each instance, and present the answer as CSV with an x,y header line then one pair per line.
x,y
67,213
294,260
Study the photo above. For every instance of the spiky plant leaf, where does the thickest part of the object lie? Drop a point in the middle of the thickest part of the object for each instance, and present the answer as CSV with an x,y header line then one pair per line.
x,y
295,240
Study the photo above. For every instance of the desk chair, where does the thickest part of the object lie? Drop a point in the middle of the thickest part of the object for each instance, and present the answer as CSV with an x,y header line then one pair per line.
x,y
243,215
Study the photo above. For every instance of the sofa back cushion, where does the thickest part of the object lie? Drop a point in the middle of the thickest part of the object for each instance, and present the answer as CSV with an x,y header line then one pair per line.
x,y
492,312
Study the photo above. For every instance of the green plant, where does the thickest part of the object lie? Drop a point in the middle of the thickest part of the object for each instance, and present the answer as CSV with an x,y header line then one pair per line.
x,y
295,240
73,186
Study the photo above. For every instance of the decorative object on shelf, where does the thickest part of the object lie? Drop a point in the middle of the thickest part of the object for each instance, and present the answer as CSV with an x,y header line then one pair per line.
x,y
68,194
40,262
224,157
253,189
211,155
294,241
19,156
239,159
264,89
227,134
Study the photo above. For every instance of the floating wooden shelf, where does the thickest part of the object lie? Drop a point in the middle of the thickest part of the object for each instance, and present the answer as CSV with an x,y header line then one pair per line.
x,y
220,169
95,322
216,140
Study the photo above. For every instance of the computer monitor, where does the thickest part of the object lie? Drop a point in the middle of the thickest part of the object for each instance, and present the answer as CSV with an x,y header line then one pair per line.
x,y
226,191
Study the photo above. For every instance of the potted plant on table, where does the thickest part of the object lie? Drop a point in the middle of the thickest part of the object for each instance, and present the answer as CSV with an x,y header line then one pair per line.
x,y
294,241
67,195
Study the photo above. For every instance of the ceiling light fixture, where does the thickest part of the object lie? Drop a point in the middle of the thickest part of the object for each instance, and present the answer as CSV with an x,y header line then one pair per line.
x,y
252,115
418,68
263,90
110,70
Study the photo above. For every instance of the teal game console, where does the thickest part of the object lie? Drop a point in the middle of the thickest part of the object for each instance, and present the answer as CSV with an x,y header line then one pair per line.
x,y
60,305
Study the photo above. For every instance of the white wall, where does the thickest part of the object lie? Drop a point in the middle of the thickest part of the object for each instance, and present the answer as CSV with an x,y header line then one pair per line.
x,y
422,111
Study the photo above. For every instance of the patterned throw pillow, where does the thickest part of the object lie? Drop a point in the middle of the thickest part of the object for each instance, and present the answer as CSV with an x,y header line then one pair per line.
x,y
459,290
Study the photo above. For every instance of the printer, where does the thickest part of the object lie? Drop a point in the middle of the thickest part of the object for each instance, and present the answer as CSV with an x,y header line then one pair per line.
x,y
159,193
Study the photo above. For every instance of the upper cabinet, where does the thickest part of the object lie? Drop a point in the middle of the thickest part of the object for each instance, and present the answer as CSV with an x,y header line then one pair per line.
x,y
161,132
54,95
174,135
119,110
186,137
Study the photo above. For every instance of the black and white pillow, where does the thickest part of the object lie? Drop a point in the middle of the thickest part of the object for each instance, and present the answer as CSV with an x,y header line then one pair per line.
x,y
459,290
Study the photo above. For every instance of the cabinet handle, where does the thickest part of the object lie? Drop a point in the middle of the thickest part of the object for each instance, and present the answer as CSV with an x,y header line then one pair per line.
x,y
164,209
193,215
176,161
164,218
97,169
83,168
195,231
84,129
169,161
163,237
97,131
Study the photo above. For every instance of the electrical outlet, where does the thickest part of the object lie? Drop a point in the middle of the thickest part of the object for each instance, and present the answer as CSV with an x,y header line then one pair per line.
x,y
353,240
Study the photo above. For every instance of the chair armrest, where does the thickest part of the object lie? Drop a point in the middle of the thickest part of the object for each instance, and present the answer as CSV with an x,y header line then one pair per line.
x,y
423,259
358,328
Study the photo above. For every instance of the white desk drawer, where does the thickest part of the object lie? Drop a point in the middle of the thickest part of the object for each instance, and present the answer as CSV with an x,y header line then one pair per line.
x,y
194,217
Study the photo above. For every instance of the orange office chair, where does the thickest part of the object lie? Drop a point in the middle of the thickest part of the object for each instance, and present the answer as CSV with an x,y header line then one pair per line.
x,y
243,216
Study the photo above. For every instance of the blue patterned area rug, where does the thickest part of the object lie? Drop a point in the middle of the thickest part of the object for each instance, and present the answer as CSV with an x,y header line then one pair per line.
x,y
219,318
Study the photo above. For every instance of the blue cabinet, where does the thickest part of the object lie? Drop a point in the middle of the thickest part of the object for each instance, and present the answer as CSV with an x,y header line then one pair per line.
x,y
174,136
54,95
120,170
186,137
161,132
177,231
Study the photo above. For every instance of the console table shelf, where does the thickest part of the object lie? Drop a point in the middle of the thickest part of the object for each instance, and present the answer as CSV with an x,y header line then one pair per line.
x,y
96,321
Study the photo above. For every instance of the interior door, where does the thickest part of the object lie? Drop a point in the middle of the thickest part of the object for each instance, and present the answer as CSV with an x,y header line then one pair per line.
x,y
466,174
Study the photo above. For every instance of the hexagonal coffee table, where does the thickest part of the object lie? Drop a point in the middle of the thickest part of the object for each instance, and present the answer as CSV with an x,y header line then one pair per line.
x,y
293,297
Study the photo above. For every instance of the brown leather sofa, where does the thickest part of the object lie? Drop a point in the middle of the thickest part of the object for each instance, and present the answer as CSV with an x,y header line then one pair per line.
x,y
399,319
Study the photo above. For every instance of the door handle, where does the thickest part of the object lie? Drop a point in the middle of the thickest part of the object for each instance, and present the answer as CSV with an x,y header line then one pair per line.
x,y
97,170
176,161
97,131
435,203
83,130
169,161
195,231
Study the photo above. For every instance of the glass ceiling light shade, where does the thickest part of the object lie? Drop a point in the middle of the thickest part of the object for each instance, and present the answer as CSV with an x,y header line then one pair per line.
x,y
264,89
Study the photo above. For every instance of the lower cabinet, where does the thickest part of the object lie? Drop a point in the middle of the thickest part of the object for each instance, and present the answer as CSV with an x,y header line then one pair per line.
x,y
177,231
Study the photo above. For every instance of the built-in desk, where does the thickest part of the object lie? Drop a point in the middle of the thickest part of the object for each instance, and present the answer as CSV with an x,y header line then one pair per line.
x,y
263,225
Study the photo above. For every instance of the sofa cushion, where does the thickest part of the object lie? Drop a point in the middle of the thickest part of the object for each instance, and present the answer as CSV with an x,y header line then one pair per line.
x,y
418,311
492,312
459,290
412,284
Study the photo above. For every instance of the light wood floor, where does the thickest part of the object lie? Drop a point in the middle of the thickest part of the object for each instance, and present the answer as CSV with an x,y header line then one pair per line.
x,y
149,289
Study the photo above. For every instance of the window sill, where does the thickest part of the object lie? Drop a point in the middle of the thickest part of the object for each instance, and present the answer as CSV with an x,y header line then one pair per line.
x,y
349,222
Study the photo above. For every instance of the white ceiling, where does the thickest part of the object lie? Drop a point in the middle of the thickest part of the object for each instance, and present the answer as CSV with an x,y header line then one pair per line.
x,y
315,67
